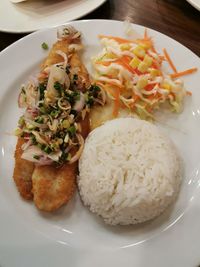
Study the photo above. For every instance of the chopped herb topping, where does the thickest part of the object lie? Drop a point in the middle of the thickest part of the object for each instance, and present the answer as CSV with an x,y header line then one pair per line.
x,y
45,46
50,120
72,130
41,89
75,77
59,87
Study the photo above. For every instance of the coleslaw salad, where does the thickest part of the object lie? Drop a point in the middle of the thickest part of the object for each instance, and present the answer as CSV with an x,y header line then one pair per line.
x,y
131,73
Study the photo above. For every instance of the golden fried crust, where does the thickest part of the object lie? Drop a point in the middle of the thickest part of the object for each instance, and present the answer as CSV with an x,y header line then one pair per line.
x,y
53,187
85,126
53,57
83,76
74,61
23,172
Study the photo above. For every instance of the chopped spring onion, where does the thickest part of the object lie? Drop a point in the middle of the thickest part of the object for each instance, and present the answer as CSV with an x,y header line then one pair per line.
x,y
45,46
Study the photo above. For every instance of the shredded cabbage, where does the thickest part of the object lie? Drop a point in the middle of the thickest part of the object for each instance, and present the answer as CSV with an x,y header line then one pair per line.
x,y
136,69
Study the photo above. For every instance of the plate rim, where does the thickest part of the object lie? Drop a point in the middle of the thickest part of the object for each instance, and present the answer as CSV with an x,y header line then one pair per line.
x,y
49,30
4,30
194,4
37,32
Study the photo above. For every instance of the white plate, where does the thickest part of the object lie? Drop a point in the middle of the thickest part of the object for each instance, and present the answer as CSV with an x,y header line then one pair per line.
x,y
195,3
73,236
33,15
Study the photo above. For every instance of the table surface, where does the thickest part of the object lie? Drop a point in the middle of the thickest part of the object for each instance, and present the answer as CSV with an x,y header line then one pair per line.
x,y
175,18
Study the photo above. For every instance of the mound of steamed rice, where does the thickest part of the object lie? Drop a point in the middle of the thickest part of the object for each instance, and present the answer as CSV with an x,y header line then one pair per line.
x,y
129,171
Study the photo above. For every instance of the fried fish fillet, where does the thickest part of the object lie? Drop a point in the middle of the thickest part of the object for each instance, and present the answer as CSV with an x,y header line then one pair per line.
x,y
51,187
74,61
100,114
54,187
23,172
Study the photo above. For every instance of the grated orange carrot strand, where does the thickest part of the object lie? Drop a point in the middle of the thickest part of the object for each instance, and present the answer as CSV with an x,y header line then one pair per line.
x,y
169,60
124,62
153,49
116,102
117,39
183,73
104,63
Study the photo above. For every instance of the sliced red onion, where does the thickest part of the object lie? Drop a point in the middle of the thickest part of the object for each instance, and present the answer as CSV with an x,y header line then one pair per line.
x,y
39,125
32,151
39,138
53,126
62,54
79,152
22,100
56,74
79,105
27,144
68,32
33,111
44,161
55,156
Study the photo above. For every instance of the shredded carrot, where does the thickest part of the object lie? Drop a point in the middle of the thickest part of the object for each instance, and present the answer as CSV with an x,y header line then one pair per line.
x,y
182,73
148,41
155,65
153,49
117,39
117,102
104,63
151,97
169,60
189,93
124,61
115,88
43,75
161,57
125,65
135,98
171,95
122,105
150,87
154,96
113,83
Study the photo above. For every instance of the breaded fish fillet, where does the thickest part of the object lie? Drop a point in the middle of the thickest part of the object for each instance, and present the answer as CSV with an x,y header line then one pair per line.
x,y
74,61
50,186
100,114
23,172
53,187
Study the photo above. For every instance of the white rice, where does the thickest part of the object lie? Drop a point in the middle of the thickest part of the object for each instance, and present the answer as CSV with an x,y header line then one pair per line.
x,y
129,171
